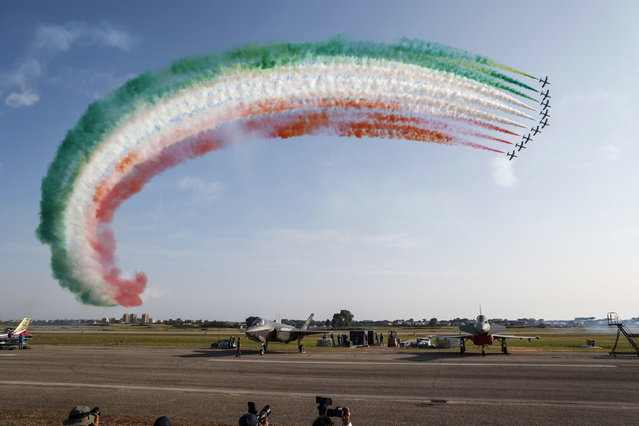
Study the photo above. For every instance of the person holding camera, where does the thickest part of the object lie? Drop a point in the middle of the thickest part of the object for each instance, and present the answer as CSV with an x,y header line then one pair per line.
x,y
82,416
250,419
327,421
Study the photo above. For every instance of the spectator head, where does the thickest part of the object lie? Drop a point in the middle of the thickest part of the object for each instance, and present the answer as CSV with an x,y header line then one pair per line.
x,y
323,421
248,419
162,421
79,416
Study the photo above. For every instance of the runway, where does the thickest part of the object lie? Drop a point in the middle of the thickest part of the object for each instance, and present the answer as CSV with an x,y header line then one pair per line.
x,y
381,385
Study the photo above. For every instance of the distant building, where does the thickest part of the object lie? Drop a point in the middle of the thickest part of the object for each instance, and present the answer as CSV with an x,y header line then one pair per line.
x,y
146,319
126,318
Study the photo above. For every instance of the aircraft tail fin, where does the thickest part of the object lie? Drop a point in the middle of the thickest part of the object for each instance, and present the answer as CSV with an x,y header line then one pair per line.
x,y
278,318
22,327
308,322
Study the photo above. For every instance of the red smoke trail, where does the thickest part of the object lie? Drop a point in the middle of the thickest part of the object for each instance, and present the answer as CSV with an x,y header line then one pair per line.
x,y
278,122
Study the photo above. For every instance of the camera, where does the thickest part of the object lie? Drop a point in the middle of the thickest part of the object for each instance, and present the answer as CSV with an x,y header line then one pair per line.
x,y
95,411
262,415
322,407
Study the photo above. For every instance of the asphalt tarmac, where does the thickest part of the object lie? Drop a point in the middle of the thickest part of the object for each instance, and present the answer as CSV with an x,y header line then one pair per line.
x,y
382,386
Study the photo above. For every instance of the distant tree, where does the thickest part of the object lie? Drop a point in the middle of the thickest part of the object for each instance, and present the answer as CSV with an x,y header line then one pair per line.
x,y
327,323
348,317
250,321
337,321
432,322
342,319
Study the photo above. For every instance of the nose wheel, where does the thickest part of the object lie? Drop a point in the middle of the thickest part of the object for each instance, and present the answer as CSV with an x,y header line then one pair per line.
x,y
483,351
263,349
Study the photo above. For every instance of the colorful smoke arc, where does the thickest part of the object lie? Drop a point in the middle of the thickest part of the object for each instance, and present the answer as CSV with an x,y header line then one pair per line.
x,y
409,90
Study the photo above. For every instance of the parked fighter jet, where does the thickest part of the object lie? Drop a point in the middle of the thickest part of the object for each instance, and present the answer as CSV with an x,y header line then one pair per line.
x,y
544,82
526,139
545,104
520,146
544,114
511,155
482,334
545,94
535,130
15,338
274,331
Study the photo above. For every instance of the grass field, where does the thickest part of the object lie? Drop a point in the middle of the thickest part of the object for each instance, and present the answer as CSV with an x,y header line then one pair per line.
x,y
131,336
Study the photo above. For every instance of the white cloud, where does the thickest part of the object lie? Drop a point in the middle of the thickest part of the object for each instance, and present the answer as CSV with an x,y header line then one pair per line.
x,y
49,41
207,191
609,153
333,237
503,172
154,293
26,98
61,38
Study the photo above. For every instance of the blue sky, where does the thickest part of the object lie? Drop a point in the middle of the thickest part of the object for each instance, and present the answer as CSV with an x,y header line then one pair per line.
x,y
384,229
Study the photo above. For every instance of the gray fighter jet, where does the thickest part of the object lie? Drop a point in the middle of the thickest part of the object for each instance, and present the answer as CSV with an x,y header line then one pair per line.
x,y
482,334
264,331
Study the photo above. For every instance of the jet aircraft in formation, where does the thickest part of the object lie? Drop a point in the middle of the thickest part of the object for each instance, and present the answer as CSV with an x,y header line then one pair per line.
x,y
544,114
543,121
265,331
482,334
544,82
15,338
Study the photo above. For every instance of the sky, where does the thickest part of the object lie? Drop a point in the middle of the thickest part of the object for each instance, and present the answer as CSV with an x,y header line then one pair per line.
x,y
385,229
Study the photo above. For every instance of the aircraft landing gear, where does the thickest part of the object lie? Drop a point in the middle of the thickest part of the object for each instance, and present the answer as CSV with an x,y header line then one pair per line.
x,y
263,349
300,347
462,347
504,348
483,351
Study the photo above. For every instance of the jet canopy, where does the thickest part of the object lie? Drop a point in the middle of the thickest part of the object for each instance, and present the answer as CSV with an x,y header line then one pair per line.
x,y
258,322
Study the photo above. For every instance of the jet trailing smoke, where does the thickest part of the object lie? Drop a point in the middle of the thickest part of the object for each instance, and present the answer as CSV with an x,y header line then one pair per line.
x,y
410,90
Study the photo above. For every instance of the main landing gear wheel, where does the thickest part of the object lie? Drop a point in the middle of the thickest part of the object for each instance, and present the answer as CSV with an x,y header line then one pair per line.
x,y
462,349
300,348
483,352
262,350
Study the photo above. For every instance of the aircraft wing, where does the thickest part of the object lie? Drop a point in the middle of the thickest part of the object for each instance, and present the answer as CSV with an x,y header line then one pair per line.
x,y
303,333
450,336
512,336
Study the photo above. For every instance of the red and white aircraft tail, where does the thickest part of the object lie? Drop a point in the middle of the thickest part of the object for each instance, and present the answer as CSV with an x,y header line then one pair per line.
x,y
21,329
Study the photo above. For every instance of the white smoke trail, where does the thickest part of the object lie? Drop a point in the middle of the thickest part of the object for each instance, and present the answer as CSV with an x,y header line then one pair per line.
x,y
206,106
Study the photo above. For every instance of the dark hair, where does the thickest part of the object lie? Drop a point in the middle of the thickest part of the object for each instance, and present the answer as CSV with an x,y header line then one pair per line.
x,y
323,421
162,421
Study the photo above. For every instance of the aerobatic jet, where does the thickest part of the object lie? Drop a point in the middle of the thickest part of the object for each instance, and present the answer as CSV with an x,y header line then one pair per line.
x,y
546,94
520,146
544,114
545,104
526,139
535,130
544,82
264,331
544,124
511,155
482,333
15,338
